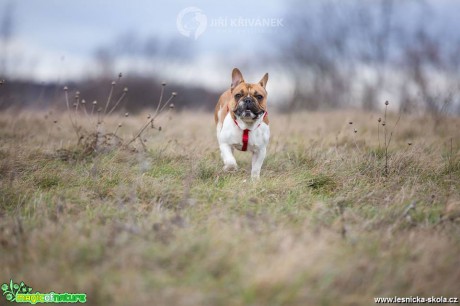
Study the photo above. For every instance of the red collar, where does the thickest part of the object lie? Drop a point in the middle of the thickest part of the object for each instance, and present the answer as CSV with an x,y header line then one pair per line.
x,y
246,133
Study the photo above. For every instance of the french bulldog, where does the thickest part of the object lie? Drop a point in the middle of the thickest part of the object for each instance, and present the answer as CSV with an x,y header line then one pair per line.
x,y
242,122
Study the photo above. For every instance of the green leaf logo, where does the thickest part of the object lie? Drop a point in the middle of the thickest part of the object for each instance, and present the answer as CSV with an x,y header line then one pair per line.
x,y
10,291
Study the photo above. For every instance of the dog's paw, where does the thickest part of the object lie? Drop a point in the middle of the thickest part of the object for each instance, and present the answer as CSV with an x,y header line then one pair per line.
x,y
230,167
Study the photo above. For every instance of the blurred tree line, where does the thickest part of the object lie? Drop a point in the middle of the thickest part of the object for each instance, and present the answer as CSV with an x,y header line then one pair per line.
x,y
350,53
143,92
361,53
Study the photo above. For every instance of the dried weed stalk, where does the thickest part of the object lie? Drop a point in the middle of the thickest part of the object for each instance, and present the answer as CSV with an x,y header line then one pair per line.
x,y
96,140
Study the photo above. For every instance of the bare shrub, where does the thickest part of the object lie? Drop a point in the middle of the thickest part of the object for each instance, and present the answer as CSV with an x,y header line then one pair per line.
x,y
89,124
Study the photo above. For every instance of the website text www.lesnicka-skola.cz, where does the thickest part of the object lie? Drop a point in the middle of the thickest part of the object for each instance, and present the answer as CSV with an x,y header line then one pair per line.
x,y
416,299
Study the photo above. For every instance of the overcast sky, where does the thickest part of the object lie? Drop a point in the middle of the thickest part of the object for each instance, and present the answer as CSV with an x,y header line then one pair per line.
x,y
55,40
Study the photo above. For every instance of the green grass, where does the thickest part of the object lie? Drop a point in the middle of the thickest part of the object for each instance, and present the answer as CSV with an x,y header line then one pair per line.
x,y
167,226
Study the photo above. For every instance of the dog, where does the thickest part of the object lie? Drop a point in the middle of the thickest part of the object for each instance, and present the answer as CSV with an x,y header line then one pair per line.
x,y
242,122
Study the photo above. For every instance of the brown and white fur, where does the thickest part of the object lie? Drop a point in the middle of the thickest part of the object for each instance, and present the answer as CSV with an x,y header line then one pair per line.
x,y
245,104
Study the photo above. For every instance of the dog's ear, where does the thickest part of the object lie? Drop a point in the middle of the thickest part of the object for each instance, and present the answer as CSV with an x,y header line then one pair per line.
x,y
237,77
264,80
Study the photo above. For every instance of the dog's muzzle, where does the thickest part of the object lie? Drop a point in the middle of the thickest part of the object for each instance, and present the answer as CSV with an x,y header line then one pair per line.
x,y
248,109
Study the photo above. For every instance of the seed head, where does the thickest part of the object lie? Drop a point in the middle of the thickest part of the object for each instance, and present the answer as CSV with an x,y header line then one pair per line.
x,y
55,121
125,89
99,110
159,128
65,88
77,93
94,102
174,93
126,114
350,122
75,105
120,75
386,103
149,116
163,83
2,82
356,131
120,125
383,123
171,106
379,120
83,101
409,143
113,83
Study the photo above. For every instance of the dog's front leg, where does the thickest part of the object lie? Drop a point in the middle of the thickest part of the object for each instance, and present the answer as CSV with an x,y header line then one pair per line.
x,y
257,161
227,157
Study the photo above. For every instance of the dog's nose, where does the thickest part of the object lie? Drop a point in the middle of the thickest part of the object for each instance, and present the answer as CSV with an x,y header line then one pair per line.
x,y
247,100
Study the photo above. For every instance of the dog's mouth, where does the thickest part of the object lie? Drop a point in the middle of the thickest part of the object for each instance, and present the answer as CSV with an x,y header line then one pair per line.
x,y
248,111
248,114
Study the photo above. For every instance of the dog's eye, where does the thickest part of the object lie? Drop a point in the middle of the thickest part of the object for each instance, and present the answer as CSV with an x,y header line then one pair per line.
x,y
238,96
259,97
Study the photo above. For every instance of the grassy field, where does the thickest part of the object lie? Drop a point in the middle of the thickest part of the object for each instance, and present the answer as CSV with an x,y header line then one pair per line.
x,y
165,225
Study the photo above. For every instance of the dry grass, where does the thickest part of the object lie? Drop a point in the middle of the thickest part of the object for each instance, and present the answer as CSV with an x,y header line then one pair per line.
x,y
166,226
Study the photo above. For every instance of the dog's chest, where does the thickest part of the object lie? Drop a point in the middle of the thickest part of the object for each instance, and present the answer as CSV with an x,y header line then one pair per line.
x,y
252,141
234,136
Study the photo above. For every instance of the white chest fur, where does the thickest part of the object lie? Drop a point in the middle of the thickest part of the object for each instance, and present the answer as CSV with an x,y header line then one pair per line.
x,y
230,135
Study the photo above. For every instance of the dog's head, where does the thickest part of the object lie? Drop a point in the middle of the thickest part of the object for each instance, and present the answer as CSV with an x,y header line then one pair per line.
x,y
249,101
